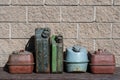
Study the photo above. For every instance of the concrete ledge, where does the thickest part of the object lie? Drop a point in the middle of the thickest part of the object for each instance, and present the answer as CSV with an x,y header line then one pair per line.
x,y
64,76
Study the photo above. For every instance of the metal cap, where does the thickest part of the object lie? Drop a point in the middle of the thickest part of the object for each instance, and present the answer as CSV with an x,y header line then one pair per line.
x,y
46,33
59,38
76,48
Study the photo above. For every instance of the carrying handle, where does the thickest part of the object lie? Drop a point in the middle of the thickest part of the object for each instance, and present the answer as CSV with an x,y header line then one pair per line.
x,y
101,51
18,52
22,51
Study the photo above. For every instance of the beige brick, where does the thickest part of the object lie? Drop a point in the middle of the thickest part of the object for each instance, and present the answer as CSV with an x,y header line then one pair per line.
x,y
116,31
23,30
108,14
116,2
4,30
95,2
4,57
27,2
8,46
77,14
117,59
44,14
4,2
116,47
61,2
68,30
87,43
104,44
94,30
12,13
3,63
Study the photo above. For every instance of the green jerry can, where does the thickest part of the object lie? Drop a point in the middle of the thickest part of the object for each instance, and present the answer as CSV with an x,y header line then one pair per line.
x,y
57,54
42,36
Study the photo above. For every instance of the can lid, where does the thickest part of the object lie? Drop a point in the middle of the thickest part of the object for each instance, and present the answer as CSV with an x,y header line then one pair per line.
x,y
76,48
59,38
46,33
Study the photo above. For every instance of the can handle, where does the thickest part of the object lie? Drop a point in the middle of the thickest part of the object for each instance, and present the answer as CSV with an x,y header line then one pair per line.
x,y
76,48
101,51
22,51
18,52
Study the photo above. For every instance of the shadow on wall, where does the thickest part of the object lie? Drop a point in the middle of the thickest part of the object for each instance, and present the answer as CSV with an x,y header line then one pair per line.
x,y
5,68
30,46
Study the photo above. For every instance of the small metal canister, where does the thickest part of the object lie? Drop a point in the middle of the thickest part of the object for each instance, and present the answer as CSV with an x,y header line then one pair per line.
x,y
42,45
21,62
57,54
102,62
76,59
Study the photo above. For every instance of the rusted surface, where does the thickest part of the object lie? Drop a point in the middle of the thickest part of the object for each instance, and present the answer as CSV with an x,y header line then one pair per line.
x,y
42,36
65,76
102,62
21,63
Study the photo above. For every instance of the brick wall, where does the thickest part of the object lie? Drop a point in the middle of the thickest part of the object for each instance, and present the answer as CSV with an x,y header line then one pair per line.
x,y
90,23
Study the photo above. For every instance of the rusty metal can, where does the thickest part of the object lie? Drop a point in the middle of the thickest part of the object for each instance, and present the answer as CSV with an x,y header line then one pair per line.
x,y
42,45
21,62
102,62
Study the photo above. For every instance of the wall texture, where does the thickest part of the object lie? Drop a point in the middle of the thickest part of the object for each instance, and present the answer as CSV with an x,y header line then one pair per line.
x,y
90,23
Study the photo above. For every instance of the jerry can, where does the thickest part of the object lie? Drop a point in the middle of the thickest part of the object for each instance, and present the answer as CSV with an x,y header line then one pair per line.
x,y
76,59
57,54
102,62
21,62
42,45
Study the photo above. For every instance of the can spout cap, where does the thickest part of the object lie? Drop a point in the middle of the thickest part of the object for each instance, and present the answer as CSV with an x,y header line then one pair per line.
x,y
46,33
59,38
76,48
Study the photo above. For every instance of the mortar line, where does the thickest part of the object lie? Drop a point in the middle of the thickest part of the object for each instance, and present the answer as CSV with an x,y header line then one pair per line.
x,y
63,5
78,2
94,14
27,15
94,44
52,22
44,25
111,30
10,31
112,36
77,31
112,2
43,2
74,38
60,15
10,2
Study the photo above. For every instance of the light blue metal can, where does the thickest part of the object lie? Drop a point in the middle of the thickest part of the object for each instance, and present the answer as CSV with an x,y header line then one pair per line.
x,y
76,59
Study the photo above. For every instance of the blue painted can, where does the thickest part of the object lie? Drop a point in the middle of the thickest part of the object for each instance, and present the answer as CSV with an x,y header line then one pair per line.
x,y
76,59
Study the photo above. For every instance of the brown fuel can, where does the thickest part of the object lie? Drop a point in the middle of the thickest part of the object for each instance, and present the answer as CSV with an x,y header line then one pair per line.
x,y
21,62
102,62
